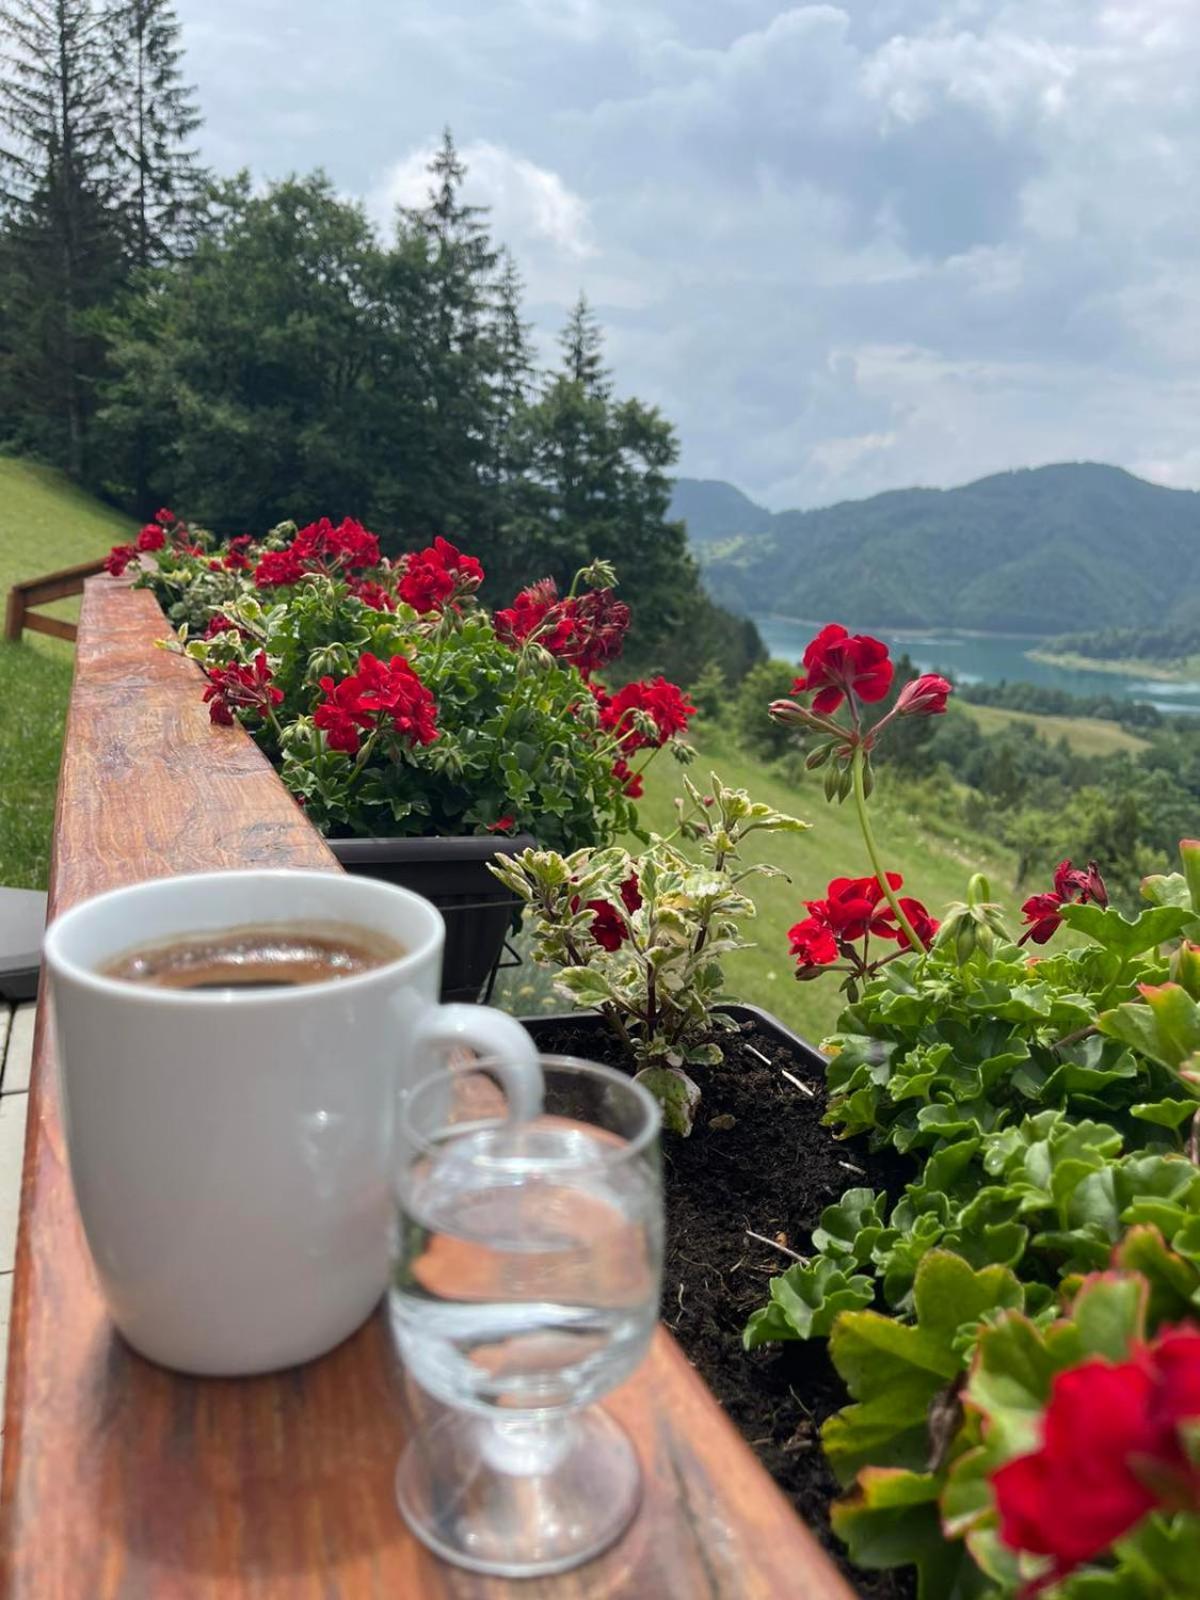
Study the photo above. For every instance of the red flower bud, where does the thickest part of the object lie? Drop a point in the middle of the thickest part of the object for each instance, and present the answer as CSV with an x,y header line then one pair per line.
x,y
792,714
924,696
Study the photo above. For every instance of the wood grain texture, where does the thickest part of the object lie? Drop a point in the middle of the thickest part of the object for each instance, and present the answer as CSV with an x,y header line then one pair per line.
x,y
125,1482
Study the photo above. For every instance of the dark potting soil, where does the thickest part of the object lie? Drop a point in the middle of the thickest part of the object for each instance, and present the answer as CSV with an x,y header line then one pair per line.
x,y
758,1159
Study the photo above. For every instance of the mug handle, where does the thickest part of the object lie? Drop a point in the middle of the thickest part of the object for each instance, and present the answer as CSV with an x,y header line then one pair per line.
x,y
511,1054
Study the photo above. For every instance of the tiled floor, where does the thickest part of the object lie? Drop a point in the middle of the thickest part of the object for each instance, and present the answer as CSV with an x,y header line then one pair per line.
x,y
16,1055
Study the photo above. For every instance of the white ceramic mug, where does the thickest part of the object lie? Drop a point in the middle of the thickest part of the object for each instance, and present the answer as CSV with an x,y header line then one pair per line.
x,y
231,1150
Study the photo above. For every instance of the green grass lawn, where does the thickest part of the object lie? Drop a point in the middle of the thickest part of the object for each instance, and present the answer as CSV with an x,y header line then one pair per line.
x,y
45,523
1087,736
935,870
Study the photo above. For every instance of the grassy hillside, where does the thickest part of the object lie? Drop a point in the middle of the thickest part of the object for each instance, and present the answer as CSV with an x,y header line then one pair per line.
x,y
935,870
998,555
45,523
1087,736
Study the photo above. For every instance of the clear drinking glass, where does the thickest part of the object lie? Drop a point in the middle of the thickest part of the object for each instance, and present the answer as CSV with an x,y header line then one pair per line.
x,y
526,1285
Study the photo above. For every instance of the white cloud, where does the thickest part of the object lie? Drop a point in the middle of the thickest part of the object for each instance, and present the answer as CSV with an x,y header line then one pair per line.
x,y
528,202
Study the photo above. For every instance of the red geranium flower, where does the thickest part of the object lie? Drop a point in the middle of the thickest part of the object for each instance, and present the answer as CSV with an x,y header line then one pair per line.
x,y
608,925
839,663
587,631
1043,912
235,559
600,623
165,516
925,696
852,909
319,548
812,943
630,781
323,547
340,717
662,702
923,925
372,594
240,688
375,693
438,575
119,557
1110,1453
152,537
278,567
501,825
514,624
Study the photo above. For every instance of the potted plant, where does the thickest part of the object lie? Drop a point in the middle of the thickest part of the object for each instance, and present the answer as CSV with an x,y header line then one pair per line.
x,y
417,729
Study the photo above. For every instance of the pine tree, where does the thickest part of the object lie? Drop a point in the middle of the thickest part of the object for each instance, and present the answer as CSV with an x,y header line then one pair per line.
x,y
582,344
513,354
59,190
449,241
162,180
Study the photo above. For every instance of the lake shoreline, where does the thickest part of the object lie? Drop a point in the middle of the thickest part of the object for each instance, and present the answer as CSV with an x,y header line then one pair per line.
x,y
1127,667
979,657
902,633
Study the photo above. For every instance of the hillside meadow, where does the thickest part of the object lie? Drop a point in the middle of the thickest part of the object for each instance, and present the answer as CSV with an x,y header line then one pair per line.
x,y
1087,736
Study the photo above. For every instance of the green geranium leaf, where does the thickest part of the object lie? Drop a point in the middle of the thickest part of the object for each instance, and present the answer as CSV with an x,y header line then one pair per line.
x,y
895,1371
805,1302
1173,1280
852,1226
892,1520
1164,1113
1164,1025
1125,939
1167,889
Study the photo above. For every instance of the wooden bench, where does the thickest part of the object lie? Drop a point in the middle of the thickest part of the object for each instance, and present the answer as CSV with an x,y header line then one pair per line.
x,y
122,1481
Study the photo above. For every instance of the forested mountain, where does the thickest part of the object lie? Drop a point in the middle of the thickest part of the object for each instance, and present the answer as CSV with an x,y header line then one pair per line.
x,y
1047,550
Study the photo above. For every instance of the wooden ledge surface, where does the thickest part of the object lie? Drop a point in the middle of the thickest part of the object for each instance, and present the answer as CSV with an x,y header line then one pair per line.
x,y
124,1482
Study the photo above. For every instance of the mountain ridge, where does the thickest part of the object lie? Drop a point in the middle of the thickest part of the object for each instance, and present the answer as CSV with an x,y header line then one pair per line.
x,y
1041,550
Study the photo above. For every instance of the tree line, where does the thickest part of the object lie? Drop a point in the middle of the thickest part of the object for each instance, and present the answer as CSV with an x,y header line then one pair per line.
x,y
249,354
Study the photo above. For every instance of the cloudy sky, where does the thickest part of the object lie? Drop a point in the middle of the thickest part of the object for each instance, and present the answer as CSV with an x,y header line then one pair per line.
x,y
846,247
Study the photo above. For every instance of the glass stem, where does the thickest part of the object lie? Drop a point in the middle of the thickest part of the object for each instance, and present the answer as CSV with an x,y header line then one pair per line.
x,y
526,1446
864,822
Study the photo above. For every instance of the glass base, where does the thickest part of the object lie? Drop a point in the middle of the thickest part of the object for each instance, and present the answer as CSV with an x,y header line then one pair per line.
x,y
519,1497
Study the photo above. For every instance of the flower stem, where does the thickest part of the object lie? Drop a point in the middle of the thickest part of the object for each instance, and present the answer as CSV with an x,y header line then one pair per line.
x,y
864,822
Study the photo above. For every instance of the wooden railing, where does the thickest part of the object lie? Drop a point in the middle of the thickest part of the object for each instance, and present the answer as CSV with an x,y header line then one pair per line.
x,y
23,597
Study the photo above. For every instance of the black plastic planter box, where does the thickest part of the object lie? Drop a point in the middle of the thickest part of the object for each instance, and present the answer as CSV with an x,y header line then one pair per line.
x,y
453,873
540,1027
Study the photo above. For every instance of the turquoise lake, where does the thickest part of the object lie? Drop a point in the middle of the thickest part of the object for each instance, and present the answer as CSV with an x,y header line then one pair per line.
x,y
990,658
